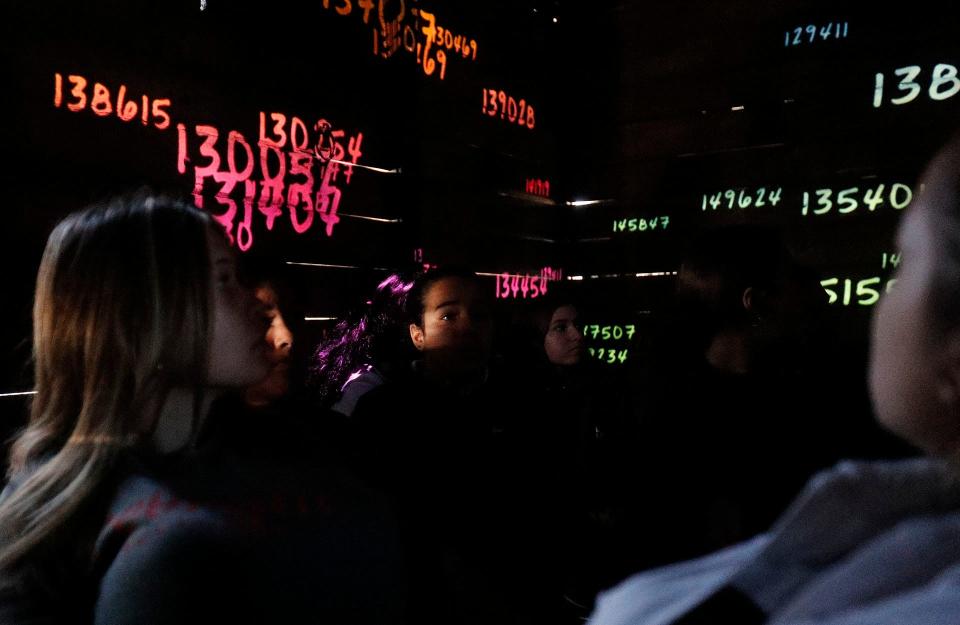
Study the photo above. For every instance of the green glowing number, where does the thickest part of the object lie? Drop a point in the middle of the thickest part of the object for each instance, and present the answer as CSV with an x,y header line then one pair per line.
x,y
846,204
643,225
631,329
944,73
592,351
611,357
605,333
908,196
744,201
830,292
602,352
665,221
632,224
823,198
622,355
617,333
874,198
653,222
909,73
865,290
730,195
715,200
775,196
762,191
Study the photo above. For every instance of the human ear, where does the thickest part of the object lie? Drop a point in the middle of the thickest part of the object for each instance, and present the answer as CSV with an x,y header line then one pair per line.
x,y
416,335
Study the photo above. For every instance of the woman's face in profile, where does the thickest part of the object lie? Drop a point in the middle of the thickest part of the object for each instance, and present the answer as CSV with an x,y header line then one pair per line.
x,y
909,361
563,342
236,351
279,342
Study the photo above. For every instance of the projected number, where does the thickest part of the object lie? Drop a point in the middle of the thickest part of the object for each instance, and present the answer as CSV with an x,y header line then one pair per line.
x,y
639,224
741,198
846,201
850,291
609,356
811,33
499,104
909,82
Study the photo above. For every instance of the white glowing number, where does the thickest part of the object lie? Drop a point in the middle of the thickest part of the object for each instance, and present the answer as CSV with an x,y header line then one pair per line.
x,y
909,73
846,204
944,73
893,196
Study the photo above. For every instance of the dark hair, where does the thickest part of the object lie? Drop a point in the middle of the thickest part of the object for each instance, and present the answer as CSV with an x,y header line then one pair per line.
x,y
376,335
720,264
415,302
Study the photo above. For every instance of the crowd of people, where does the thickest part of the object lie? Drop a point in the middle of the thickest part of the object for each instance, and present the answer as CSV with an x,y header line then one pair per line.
x,y
430,464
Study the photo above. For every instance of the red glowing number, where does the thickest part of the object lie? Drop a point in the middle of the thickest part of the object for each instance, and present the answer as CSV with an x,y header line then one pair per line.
x,y
353,149
181,148
512,109
280,119
159,112
245,227
328,197
57,90
206,149
125,110
525,285
271,188
79,83
297,127
534,287
100,104
505,285
301,164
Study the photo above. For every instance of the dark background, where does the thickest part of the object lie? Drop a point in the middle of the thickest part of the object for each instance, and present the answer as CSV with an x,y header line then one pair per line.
x,y
637,104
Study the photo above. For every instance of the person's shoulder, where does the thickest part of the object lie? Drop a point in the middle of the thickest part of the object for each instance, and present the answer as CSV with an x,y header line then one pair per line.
x,y
661,595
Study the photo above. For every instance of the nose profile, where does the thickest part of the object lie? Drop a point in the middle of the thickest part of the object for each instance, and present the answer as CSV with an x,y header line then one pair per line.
x,y
282,336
